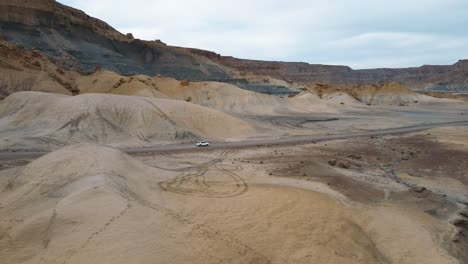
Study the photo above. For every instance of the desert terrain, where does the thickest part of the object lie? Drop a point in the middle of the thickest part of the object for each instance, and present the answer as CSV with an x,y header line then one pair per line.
x,y
98,161
341,201
287,184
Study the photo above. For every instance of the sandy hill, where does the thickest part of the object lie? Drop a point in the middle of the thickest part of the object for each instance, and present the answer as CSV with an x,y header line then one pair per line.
x,y
216,95
232,99
42,120
374,94
333,102
106,207
221,96
29,70
23,70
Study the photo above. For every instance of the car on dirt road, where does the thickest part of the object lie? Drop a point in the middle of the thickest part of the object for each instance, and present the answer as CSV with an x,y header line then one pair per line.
x,y
203,144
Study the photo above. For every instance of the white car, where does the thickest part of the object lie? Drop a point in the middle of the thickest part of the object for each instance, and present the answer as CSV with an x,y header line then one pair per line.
x,y
203,144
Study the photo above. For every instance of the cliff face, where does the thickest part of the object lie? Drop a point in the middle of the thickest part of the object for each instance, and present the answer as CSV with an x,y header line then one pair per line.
x,y
53,14
23,70
429,77
78,41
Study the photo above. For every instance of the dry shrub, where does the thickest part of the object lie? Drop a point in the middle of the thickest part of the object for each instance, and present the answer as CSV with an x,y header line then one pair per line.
x,y
184,83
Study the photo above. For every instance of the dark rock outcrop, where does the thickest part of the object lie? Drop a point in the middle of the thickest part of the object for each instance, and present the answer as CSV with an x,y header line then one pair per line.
x,y
77,41
80,42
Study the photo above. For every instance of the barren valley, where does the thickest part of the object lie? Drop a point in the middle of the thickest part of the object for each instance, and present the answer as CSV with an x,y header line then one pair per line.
x,y
99,162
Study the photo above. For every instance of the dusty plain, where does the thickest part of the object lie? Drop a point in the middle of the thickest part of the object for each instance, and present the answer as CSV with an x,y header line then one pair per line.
x,y
342,201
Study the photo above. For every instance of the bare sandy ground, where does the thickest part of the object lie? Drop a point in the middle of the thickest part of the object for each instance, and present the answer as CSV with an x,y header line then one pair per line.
x,y
347,201
370,200
41,120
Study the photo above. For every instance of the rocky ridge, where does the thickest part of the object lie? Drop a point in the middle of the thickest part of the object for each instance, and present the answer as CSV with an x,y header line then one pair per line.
x,y
428,77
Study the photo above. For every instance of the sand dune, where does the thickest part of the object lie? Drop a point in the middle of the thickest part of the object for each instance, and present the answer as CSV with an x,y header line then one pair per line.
x,y
106,207
32,119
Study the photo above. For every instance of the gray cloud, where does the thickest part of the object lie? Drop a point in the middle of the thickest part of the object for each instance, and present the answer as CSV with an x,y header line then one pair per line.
x,y
361,34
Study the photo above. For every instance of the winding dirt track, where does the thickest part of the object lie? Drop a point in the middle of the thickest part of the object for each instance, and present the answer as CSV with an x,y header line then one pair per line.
x,y
258,143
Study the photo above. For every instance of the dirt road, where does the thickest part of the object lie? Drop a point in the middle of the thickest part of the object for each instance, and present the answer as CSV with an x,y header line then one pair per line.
x,y
6,155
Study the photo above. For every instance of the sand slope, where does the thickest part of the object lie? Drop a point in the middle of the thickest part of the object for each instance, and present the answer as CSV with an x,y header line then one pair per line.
x,y
222,96
229,98
331,103
216,95
103,81
106,207
48,121
376,94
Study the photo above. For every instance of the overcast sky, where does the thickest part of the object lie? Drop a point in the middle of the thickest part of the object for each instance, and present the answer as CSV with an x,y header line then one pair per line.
x,y
358,33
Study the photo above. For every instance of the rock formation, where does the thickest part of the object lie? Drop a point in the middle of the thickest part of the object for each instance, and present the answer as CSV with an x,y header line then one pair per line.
x,y
430,77
81,42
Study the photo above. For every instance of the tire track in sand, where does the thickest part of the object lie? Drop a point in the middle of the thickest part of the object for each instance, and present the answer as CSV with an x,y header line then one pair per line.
x,y
198,184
